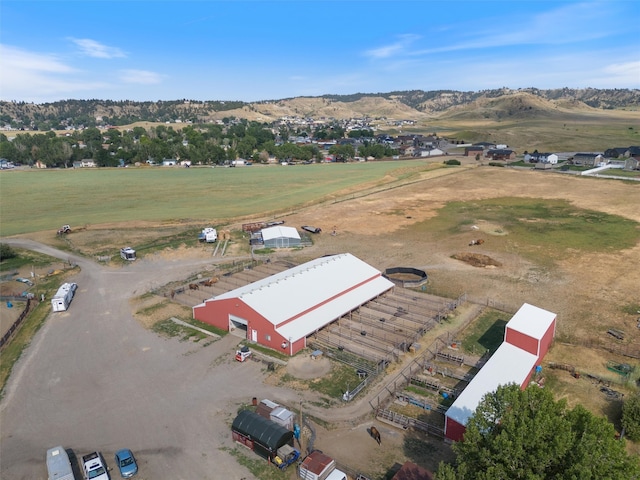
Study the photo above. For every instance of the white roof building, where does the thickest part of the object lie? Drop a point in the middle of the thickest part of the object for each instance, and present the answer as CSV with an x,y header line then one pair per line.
x,y
290,305
528,336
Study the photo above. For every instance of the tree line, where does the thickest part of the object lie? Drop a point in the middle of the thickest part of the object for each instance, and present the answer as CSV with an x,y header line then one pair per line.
x,y
209,144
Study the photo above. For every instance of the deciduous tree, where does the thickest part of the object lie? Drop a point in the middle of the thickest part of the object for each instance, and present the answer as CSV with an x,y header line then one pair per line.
x,y
516,434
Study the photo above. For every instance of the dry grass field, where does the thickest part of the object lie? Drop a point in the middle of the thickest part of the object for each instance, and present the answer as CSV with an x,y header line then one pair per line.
x,y
590,290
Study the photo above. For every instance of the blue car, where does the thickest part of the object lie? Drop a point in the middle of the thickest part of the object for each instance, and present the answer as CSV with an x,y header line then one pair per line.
x,y
126,463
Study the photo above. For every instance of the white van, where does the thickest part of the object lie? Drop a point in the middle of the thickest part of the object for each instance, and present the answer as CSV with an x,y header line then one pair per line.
x,y
58,464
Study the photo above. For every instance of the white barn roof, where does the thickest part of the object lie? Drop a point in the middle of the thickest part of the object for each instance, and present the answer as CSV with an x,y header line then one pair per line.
x,y
279,232
532,321
313,294
509,364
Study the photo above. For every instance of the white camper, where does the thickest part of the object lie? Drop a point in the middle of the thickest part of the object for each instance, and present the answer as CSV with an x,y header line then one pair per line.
x,y
58,464
208,235
61,300
128,253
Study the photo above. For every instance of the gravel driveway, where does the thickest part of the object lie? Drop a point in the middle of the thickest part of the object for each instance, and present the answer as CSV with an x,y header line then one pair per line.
x,y
94,379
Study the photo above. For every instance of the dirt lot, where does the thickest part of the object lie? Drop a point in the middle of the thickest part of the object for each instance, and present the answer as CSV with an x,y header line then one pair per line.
x,y
586,290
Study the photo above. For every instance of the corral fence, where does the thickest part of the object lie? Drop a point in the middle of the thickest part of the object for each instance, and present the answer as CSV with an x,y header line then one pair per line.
x,y
413,277
16,324
495,304
409,422
614,346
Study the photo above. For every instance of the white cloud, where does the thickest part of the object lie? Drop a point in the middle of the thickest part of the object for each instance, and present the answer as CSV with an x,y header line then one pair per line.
x,y
142,77
37,77
14,58
396,48
627,73
94,49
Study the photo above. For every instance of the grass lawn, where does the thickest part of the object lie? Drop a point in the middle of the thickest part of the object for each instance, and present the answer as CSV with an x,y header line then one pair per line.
x,y
542,230
486,333
50,198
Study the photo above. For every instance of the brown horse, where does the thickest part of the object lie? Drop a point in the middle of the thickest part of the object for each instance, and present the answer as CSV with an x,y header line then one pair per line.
x,y
375,434
194,286
476,242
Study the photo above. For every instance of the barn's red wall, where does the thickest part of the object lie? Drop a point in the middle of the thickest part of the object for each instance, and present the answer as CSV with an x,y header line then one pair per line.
x,y
547,339
453,430
520,340
217,312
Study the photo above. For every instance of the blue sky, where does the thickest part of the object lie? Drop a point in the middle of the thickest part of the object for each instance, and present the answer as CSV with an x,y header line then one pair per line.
x,y
264,50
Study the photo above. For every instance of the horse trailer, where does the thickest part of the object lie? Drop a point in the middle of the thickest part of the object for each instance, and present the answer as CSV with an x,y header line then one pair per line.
x,y
58,464
61,300
128,253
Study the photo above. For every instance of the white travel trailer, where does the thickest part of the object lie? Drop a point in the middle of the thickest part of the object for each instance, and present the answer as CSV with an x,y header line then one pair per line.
x,y
128,253
61,300
208,235
58,464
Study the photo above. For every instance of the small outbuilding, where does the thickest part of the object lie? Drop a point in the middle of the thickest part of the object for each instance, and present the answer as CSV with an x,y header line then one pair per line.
x,y
257,433
282,416
265,407
280,237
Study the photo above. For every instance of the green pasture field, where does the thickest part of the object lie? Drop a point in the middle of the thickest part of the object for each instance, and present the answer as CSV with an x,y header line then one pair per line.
x,y
38,200
485,333
541,230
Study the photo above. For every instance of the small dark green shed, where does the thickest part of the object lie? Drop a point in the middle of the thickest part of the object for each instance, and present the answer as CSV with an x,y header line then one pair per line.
x,y
260,434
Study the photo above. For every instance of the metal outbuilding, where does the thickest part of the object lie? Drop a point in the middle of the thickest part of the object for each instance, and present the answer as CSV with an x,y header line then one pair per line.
x,y
281,311
259,434
528,336
280,237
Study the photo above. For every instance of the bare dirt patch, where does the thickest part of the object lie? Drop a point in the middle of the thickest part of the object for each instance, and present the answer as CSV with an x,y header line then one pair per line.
x,y
306,368
477,260
151,309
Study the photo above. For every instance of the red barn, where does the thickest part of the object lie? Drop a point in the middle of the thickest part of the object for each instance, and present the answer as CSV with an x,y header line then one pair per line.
x,y
528,336
281,311
531,329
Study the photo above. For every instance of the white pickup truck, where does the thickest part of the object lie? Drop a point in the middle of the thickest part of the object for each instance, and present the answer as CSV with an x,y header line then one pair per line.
x,y
93,467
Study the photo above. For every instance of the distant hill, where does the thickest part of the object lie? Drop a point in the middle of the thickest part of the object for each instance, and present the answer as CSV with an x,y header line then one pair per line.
x,y
498,104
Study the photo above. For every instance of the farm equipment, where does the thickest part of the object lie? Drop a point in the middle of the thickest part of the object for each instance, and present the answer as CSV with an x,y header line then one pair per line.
x,y
243,354
286,455
64,230
311,229
622,369
619,334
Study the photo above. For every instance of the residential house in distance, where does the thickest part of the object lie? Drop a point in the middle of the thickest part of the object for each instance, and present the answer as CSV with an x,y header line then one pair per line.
x,y
474,150
590,159
622,152
500,154
428,152
551,158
